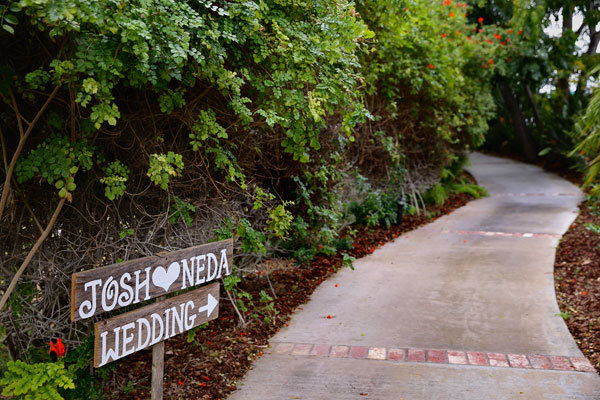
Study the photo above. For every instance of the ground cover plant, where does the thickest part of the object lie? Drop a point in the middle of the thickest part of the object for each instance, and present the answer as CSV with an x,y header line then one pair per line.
x,y
577,280
128,129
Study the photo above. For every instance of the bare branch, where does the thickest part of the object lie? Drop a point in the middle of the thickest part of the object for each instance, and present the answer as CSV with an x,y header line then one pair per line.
x,y
31,253
22,141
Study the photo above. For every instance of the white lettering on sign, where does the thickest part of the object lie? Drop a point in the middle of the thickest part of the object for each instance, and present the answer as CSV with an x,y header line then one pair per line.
x,y
127,333
135,286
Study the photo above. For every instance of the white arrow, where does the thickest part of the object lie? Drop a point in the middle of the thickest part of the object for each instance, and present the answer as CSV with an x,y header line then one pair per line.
x,y
212,303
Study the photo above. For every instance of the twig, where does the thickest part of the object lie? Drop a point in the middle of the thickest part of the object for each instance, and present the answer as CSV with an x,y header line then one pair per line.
x,y
22,140
240,316
31,253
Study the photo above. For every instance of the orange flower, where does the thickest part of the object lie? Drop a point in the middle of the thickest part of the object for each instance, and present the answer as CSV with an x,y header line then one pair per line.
x,y
480,20
58,348
490,61
451,15
447,2
497,36
509,31
431,66
444,35
520,33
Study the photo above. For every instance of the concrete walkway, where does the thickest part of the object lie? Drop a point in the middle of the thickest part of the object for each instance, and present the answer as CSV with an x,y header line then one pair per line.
x,y
463,308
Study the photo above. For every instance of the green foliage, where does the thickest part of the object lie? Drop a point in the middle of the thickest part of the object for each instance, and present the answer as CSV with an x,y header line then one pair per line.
x,y
348,260
437,194
86,381
56,160
39,381
376,208
8,18
587,131
280,220
181,209
163,167
593,228
116,175
206,127
427,51
252,241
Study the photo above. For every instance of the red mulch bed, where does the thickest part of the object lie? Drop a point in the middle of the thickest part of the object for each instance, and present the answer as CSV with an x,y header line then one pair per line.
x,y
577,282
221,354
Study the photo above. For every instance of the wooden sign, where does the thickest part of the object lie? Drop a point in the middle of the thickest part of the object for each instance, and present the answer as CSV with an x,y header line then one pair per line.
x,y
136,330
119,285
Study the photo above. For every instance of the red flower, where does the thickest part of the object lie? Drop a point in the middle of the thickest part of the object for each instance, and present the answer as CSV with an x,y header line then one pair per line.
x,y
490,61
509,31
508,59
431,66
451,15
520,33
58,348
447,2
180,383
466,14
480,20
497,36
444,35
329,317
503,43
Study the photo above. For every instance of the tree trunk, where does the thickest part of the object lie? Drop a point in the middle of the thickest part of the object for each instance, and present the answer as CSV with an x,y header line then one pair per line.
x,y
567,25
518,122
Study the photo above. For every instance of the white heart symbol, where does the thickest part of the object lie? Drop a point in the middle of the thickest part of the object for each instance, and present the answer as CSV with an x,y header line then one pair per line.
x,y
163,278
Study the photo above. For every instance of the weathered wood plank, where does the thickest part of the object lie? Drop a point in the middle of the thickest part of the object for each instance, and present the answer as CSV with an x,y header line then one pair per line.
x,y
119,285
136,330
158,367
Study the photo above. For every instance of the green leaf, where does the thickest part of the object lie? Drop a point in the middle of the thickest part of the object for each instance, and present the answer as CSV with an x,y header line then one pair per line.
x,y
8,28
545,151
11,19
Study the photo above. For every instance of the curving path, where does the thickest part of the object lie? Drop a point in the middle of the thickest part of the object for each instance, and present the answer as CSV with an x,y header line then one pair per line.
x,y
463,308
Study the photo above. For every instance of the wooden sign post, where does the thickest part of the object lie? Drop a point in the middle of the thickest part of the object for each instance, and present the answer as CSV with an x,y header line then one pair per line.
x,y
120,285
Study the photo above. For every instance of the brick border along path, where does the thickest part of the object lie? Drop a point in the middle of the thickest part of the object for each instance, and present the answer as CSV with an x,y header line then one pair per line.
x,y
474,358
